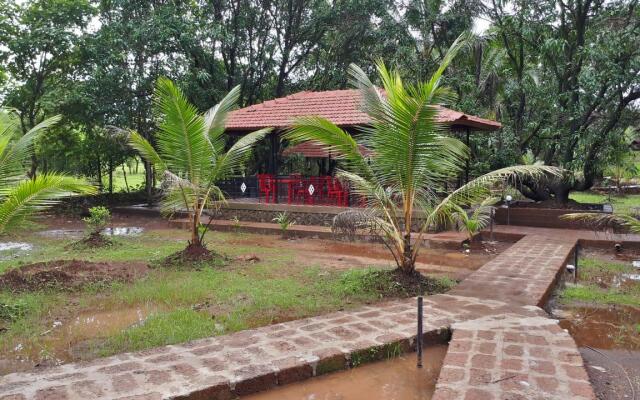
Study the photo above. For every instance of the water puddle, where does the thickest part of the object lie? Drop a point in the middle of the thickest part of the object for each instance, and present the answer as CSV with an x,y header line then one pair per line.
x,y
603,327
123,231
62,233
7,246
9,250
71,339
395,379
78,233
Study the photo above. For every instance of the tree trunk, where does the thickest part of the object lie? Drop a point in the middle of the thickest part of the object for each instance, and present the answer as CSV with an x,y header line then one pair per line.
x,y
148,182
408,266
99,173
110,176
124,174
195,234
34,166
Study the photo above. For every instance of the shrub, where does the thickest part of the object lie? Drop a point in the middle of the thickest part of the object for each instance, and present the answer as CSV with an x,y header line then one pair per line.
x,y
97,220
284,220
12,311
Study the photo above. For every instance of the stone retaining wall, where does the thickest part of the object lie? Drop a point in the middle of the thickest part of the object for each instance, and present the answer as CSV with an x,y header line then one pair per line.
x,y
538,217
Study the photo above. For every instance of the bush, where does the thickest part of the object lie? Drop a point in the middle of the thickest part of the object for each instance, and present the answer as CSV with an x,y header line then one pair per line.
x,y
12,311
97,220
285,221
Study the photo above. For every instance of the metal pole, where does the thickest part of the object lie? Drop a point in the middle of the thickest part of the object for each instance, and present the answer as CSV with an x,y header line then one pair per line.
x,y
575,263
493,215
419,336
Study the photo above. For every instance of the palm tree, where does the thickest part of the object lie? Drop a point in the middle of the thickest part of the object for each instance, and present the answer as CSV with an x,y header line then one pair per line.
x,y
411,160
475,220
20,196
191,155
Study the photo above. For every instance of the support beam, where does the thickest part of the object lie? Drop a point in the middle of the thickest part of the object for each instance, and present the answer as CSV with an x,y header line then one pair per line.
x,y
274,166
466,170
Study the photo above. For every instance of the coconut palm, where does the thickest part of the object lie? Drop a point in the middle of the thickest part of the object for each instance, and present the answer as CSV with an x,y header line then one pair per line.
x,y
475,220
411,159
21,196
191,155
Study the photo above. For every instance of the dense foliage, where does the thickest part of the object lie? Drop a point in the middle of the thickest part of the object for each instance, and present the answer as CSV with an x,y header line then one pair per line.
x,y
562,76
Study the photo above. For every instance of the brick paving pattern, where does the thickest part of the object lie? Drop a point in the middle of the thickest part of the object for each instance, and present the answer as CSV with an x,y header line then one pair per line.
x,y
503,345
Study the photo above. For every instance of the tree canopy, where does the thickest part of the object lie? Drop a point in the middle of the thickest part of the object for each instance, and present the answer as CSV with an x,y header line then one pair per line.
x,y
563,77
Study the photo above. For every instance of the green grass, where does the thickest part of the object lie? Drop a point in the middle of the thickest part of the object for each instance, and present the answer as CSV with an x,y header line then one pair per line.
x,y
135,181
621,204
594,294
595,284
184,303
176,326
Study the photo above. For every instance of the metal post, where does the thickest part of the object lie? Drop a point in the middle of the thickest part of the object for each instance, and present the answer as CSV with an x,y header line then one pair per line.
x,y
493,215
419,336
575,263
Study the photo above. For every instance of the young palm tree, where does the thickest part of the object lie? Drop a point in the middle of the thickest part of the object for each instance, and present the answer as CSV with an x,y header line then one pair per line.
x,y
20,196
476,220
191,155
412,158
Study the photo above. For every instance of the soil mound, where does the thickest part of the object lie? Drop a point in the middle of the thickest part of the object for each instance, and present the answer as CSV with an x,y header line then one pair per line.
x,y
69,274
95,240
191,256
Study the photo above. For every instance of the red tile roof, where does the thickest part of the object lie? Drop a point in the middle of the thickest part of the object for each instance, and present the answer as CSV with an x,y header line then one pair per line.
x,y
312,149
342,107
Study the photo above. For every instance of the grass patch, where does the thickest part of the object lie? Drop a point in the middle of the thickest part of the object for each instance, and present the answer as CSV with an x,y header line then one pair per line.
x,y
599,284
177,326
621,204
594,294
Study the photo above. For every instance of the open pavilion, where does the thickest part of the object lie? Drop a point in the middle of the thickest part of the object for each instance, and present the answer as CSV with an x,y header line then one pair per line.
x,y
342,107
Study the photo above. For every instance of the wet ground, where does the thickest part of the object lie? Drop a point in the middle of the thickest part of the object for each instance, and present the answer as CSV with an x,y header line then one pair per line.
x,y
72,336
456,264
608,334
603,327
394,379
615,374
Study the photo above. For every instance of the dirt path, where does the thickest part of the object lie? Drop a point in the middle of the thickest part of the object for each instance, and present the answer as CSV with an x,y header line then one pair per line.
x,y
615,374
343,255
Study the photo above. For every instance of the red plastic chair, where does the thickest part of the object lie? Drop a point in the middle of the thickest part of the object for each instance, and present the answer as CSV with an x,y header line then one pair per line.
x,y
265,185
336,192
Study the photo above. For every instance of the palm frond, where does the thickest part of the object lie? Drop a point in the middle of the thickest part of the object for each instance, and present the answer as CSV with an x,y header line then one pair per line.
x,y
182,140
178,194
478,189
225,164
332,138
605,222
146,151
215,119
33,195
14,151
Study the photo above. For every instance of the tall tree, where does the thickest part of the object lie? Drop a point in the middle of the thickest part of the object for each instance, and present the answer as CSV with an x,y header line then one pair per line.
x,y
573,74
40,38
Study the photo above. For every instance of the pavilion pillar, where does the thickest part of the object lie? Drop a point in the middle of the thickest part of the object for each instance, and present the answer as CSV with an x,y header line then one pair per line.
x,y
466,170
274,162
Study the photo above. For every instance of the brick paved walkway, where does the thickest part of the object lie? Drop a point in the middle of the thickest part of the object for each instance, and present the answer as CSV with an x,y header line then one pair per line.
x,y
503,345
